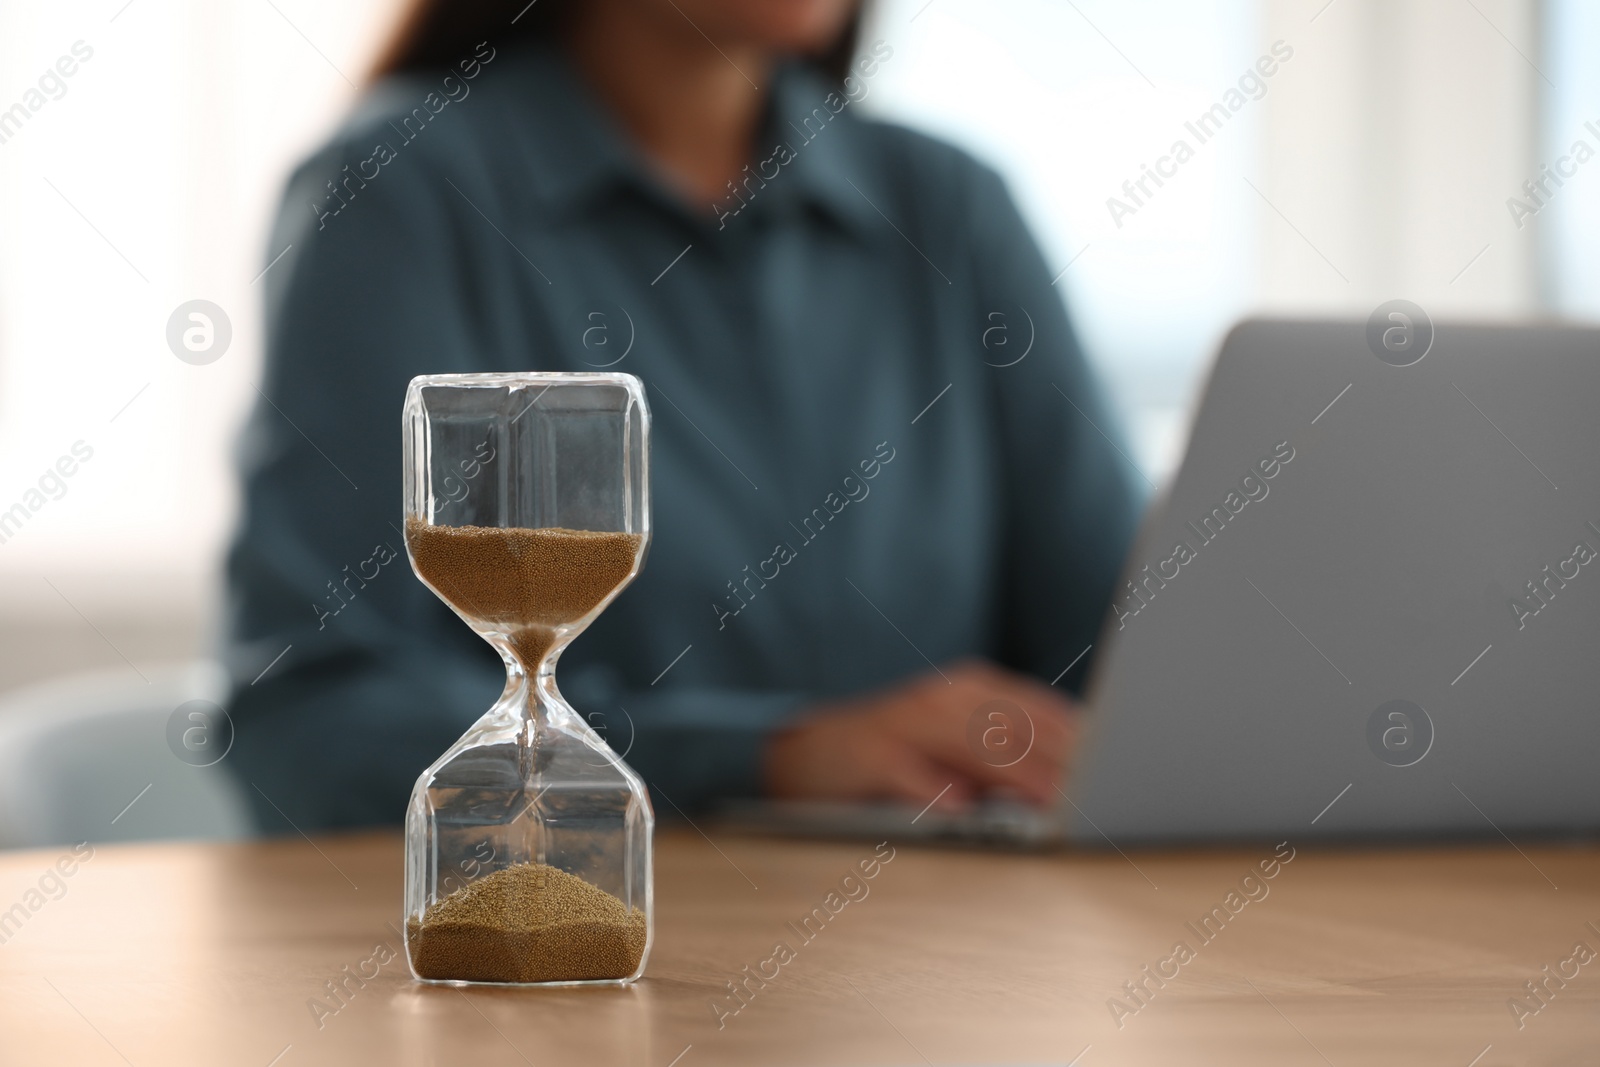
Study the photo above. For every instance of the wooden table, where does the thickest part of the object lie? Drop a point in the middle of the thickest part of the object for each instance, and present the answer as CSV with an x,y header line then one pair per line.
x,y
217,955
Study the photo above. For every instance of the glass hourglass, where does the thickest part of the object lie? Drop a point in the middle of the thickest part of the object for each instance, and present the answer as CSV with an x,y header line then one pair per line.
x,y
528,842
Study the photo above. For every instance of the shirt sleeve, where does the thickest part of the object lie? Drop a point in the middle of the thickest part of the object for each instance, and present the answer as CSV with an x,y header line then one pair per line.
x,y
695,745
349,677
1072,492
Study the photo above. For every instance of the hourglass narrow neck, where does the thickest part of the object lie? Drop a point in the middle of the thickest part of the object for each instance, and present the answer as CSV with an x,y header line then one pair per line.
x,y
530,694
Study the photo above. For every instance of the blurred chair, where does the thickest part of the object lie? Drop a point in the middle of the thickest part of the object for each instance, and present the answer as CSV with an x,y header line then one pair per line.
x,y
87,757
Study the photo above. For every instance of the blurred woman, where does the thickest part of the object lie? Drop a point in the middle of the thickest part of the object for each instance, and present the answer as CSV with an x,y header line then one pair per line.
x,y
883,494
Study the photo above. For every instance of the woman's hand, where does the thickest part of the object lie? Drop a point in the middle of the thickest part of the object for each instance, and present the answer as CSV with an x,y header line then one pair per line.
x,y
937,733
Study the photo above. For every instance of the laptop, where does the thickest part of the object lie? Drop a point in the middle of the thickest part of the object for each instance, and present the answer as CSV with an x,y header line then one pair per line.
x,y
1368,606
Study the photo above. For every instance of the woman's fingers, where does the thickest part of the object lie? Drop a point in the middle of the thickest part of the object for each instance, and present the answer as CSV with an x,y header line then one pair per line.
x,y
912,777
999,729
942,738
851,756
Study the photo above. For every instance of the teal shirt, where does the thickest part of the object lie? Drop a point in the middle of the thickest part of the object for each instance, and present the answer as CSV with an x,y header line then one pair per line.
x,y
876,445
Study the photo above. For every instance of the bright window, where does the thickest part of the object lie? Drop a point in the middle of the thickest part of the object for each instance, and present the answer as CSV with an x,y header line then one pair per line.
x,y
1071,100
1569,221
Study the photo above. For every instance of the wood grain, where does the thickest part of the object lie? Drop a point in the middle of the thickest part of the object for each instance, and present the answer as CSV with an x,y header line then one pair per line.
x,y
215,954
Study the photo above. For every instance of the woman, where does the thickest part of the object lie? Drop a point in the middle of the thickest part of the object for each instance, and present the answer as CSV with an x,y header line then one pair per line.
x,y
871,519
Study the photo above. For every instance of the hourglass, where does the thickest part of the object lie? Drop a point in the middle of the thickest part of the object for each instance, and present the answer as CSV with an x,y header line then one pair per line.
x,y
528,842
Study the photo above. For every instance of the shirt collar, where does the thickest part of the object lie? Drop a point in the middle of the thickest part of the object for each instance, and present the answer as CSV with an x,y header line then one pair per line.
x,y
810,150
574,149
814,150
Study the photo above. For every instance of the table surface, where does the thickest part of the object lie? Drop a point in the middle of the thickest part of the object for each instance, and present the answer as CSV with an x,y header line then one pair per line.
x,y
177,954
